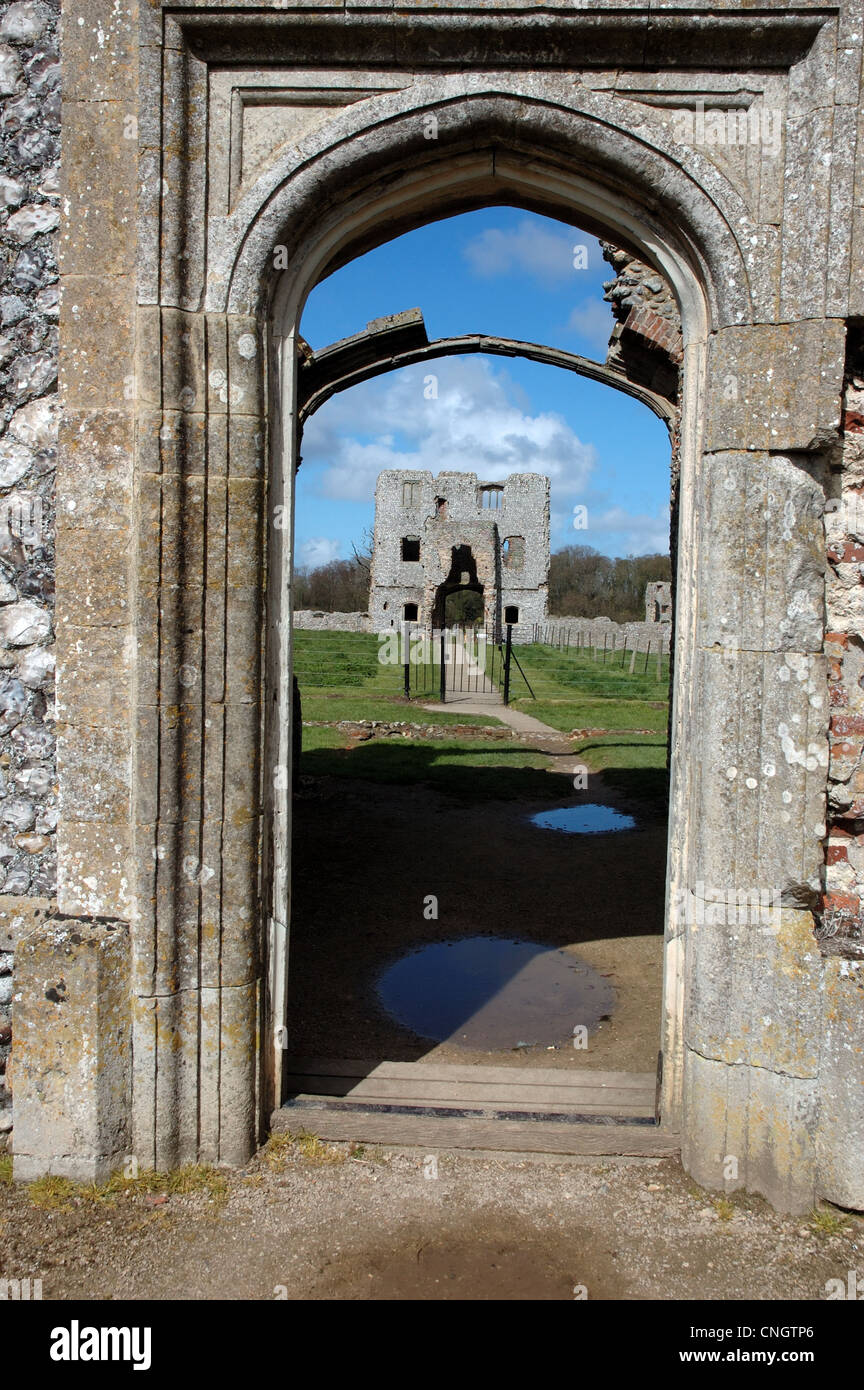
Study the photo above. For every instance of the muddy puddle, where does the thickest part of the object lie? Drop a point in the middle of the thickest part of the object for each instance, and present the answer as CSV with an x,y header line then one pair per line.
x,y
489,994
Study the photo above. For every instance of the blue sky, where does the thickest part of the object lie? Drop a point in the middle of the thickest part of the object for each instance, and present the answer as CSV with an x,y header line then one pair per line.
x,y
500,271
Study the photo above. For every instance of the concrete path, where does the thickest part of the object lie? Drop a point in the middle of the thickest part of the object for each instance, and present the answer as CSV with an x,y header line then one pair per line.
x,y
487,701
491,703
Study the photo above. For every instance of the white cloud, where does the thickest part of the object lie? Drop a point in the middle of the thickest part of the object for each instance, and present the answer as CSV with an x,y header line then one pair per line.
x,y
318,550
636,533
478,423
533,249
593,321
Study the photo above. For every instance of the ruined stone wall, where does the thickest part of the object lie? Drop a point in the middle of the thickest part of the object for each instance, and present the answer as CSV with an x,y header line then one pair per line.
x,y
602,633
658,602
762,1036
444,513
309,620
841,928
29,216
646,339
29,299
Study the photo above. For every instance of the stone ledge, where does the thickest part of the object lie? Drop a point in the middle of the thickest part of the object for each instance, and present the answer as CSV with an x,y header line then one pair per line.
x,y
19,916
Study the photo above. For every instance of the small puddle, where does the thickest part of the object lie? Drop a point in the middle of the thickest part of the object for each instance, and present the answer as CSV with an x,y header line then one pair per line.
x,y
592,819
491,994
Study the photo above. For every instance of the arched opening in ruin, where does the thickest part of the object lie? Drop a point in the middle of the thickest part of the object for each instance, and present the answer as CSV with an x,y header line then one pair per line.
x,y
462,606
459,599
542,157
453,597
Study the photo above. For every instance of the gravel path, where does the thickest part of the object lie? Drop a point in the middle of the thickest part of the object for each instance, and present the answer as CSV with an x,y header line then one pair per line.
x,y
312,1222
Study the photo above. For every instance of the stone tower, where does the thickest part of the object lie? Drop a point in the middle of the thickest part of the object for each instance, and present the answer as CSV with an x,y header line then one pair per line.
x,y
439,537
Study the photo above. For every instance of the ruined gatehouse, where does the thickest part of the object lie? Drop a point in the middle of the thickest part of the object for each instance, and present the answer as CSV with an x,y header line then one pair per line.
x,y
439,537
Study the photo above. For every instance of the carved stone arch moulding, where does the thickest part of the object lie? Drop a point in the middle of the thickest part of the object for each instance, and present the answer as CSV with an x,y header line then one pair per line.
x,y
319,135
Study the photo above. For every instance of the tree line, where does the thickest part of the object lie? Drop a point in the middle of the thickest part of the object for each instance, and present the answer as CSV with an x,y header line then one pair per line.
x,y
585,584
582,584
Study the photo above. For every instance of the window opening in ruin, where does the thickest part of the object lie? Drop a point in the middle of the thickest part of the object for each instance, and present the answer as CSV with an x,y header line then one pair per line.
x,y
409,612
410,548
513,552
490,496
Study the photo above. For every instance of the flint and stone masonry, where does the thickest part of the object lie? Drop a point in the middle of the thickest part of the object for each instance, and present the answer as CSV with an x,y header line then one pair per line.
x,y
454,534
217,161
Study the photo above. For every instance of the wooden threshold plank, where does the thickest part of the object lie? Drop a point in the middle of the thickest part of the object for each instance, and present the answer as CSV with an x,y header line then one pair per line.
x,y
378,1088
513,1136
446,1071
449,1102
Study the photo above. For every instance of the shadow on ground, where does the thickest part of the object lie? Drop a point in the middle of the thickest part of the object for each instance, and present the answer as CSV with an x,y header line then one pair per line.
x,y
369,856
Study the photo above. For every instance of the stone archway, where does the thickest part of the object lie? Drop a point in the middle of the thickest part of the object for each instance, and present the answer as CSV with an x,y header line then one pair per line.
x,y
195,860
690,1080
461,579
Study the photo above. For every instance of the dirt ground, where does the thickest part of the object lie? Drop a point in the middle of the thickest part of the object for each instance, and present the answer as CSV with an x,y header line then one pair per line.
x,y
322,1225
365,858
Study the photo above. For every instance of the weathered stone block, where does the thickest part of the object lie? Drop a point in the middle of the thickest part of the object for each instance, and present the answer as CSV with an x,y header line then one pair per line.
x,y
172,530
745,1127
94,470
183,439
97,341
775,386
72,1050
94,766
94,876
247,436
98,234
148,356
762,763
184,383
840,1142
753,978
94,565
245,531
245,372
110,31
762,535
94,675
20,916
243,646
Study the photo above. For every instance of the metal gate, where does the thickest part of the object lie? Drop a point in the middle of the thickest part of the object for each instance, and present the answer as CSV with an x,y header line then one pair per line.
x,y
444,664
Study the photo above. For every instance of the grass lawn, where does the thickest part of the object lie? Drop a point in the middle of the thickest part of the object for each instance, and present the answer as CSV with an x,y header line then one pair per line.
x,y
340,677
574,692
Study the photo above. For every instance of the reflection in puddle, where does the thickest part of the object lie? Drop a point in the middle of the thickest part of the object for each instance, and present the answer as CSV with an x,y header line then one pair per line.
x,y
584,820
486,993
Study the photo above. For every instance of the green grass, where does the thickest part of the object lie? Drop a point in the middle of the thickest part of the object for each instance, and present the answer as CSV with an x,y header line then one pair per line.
x,y
826,1222
340,677
574,692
